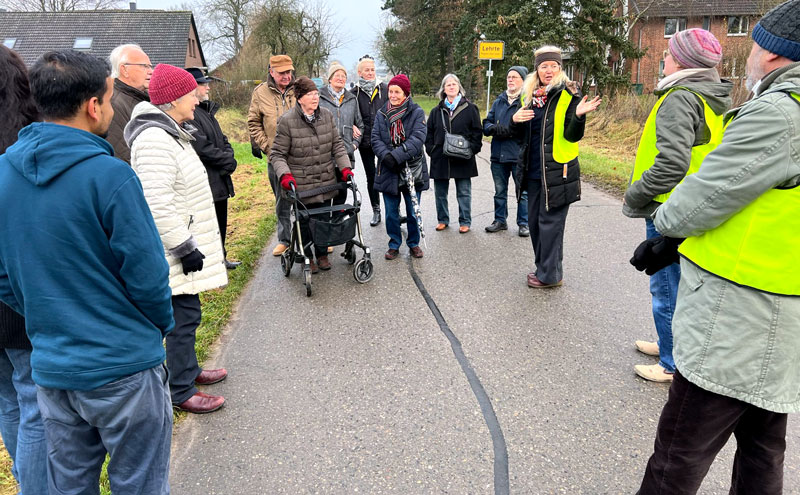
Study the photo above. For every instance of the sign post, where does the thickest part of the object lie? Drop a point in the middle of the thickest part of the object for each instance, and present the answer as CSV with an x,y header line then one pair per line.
x,y
490,50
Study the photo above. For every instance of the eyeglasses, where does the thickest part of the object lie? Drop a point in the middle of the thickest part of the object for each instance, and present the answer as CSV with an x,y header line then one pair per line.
x,y
146,66
366,57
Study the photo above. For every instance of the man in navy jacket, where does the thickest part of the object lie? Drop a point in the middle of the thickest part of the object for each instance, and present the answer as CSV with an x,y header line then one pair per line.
x,y
82,261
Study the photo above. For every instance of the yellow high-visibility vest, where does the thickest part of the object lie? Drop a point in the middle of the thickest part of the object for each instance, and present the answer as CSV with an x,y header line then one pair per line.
x,y
563,151
757,247
647,152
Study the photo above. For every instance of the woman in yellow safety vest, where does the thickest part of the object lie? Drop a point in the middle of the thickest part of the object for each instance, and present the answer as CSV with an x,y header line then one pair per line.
x,y
551,122
685,125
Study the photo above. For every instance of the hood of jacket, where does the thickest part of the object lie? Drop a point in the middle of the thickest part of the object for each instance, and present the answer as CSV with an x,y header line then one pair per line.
x,y
786,78
209,106
716,93
38,155
325,94
145,115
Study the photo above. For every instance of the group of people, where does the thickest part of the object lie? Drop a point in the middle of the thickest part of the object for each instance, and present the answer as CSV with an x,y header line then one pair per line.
x,y
116,176
115,179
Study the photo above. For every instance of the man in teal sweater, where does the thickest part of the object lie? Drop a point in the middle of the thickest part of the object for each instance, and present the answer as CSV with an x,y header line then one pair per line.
x,y
82,261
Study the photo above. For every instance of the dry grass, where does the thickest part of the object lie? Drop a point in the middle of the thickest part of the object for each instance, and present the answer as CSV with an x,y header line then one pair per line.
x,y
8,485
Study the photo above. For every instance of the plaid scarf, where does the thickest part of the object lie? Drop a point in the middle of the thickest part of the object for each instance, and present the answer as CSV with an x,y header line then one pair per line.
x,y
397,133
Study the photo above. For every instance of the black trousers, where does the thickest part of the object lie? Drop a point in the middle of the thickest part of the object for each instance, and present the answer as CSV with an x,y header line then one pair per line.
x,y
547,234
181,356
221,207
695,424
368,158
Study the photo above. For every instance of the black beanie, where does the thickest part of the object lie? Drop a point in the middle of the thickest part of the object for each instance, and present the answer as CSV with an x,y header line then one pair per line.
x,y
778,31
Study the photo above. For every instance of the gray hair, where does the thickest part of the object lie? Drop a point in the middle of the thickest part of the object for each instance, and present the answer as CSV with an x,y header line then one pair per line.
x,y
119,56
165,107
440,94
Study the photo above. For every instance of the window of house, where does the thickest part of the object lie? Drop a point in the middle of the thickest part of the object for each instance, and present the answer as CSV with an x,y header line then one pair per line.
x,y
9,43
82,43
569,70
674,24
707,23
737,25
661,68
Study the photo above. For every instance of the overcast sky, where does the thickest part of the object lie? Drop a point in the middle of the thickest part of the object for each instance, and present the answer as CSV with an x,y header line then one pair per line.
x,y
360,21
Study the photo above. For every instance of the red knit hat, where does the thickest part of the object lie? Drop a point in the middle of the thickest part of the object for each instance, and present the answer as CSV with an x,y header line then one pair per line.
x,y
168,83
400,80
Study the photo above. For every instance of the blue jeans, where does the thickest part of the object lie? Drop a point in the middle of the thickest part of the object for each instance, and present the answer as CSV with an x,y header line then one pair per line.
x,y
500,174
392,203
20,422
130,418
664,288
463,195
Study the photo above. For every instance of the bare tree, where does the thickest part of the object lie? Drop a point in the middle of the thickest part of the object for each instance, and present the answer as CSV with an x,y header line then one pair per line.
x,y
60,5
228,23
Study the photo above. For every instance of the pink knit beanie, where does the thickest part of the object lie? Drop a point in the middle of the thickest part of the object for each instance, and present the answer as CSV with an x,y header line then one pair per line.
x,y
693,48
168,83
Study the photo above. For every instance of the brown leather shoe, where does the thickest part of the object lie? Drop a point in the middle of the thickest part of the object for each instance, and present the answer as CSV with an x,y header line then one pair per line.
x,y
207,377
314,267
323,263
391,254
416,252
463,229
535,283
441,226
201,403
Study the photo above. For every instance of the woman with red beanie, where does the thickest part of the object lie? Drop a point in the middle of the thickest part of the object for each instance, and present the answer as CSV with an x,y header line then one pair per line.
x,y
398,136
176,188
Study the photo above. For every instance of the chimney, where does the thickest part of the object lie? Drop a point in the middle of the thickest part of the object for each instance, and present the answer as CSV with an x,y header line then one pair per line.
x,y
133,5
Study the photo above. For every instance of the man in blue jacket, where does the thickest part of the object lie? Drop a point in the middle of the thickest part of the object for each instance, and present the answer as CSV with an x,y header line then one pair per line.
x,y
82,261
505,151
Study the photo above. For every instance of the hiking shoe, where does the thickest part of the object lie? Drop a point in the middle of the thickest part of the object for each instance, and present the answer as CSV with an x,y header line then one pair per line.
x,y
314,267
649,348
496,226
654,373
416,252
524,231
391,254
323,263
279,249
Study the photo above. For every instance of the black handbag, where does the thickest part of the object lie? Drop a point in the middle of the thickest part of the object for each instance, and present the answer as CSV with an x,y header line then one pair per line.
x,y
415,166
455,145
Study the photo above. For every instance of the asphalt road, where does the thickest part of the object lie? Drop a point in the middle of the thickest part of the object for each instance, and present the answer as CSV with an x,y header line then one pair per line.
x,y
376,388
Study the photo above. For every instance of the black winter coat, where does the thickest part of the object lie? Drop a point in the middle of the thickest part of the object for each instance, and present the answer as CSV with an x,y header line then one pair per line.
x,y
505,146
369,108
386,180
12,329
559,190
213,148
466,121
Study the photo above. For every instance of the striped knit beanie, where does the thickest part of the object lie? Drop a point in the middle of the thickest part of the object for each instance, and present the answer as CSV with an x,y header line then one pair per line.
x,y
695,48
168,83
779,30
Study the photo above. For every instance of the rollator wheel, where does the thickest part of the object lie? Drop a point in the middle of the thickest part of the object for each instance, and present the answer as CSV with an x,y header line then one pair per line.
x,y
307,281
363,271
287,260
350,255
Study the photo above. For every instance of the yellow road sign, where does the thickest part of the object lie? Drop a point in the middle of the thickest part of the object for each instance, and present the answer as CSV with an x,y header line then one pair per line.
x,y
491,50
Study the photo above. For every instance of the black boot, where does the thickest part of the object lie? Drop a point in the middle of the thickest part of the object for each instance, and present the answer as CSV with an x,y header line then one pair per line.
x,y
376,217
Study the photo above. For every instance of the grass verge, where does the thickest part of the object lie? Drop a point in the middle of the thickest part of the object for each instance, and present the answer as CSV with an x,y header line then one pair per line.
x,y
251,221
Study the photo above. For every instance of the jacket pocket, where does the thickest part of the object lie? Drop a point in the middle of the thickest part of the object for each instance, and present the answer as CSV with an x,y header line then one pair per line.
x,y
693,278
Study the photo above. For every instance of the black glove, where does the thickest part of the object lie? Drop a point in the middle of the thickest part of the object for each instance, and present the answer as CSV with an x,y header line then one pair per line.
x,y
192,262
656,253
390,162
256,151
502,131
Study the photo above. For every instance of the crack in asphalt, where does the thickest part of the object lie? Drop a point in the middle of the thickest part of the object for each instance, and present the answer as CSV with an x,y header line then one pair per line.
x,y
501,481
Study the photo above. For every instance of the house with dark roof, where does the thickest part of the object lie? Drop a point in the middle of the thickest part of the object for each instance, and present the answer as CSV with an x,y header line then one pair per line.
x,y
656,21
168,37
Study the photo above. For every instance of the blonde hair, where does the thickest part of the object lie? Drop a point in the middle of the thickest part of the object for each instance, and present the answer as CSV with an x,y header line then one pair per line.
x,y
363,61
532,82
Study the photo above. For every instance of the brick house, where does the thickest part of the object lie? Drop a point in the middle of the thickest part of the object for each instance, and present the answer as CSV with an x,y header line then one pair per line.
x,y
168,37
655,21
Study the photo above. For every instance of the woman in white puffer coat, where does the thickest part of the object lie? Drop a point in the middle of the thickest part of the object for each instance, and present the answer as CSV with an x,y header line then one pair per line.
x,y
176,188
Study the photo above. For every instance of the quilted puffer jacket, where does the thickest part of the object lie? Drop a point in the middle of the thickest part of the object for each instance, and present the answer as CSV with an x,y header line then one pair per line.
x,y
176,187
311,152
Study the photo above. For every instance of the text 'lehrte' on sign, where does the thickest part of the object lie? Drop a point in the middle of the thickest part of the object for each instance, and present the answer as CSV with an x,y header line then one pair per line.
x,y
491,50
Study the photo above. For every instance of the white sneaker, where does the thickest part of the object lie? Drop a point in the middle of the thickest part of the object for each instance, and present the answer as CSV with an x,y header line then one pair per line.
x,y
653,373
645,347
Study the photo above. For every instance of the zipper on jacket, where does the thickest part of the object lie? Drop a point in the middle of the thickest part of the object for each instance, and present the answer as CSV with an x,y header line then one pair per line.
x,y
544,166
191,221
